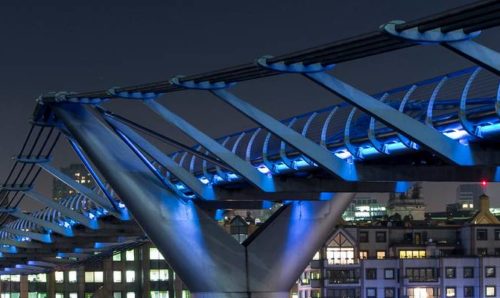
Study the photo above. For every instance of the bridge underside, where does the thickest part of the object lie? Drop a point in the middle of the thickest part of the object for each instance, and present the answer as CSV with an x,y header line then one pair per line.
x,y
266,265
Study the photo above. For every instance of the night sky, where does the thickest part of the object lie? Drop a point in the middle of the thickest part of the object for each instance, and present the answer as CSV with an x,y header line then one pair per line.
x,y
88,45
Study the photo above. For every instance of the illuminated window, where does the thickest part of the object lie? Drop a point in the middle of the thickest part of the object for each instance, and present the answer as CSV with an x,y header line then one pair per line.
x,y
89,276
117,294
129,276
130,295
73,295
159,294
37,277
186,294
117,257
363,254
158,274
155,254
98,276
59,277
381,254
340,250
59,295
117,276
412,254
71,277
451,292
490,291
316,256
129,255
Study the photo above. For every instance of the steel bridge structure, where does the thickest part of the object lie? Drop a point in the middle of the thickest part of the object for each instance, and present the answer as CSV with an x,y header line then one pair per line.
x,y
442,129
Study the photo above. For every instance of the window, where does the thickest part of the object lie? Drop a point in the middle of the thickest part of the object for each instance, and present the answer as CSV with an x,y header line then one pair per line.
x,y
158,274
422,274
468,272
73,295
371,273
363,236
59,277
129,256
497,251
72,277
468,291
381,236
497,234
363,254
451,292
130,295
389,293
412,254
41,277
482,234
117,294
490,291
343,276
117,257
380,254
388,273
91,276
371,292
98,276
159,294
482,251
117,276
451,272
129,276
489,271
59,295
340,250
155,254
186,294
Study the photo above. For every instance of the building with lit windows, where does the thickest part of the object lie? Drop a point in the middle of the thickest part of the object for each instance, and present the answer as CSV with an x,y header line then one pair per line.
x,y
77,172
408,258
363,208
135,273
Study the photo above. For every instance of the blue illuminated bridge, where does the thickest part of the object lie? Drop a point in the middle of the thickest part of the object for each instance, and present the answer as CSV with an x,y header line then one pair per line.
x,y
441,129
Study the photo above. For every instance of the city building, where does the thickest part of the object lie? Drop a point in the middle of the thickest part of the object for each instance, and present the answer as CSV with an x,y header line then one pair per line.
x,y
407,205
468,196
408,258
363,208
76,171
135,273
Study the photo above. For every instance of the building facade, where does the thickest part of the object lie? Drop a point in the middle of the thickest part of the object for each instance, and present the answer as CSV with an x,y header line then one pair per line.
x,y
411,259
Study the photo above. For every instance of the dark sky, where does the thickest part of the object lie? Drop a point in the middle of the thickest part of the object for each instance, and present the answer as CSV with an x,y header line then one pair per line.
x,y
86,45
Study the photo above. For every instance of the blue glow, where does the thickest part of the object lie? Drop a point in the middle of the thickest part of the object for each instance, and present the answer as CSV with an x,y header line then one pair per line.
x,y
219,214
232,176
326,196
343,154
267,204
395,146
368,151
402,186
263,169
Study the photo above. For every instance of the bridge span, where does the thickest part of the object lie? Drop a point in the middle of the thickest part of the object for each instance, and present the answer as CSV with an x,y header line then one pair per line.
x,y
442,129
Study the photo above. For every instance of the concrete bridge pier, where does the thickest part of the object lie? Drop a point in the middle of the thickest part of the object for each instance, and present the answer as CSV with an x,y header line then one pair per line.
x,y
210,262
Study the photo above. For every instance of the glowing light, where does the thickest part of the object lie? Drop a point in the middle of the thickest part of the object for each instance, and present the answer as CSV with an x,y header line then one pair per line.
x,y
263,169
484,183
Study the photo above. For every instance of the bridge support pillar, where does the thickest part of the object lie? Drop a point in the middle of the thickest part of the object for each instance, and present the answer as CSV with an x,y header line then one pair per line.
x,y
210,262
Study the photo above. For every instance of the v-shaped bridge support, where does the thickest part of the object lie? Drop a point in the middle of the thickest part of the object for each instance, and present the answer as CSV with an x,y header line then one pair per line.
x,y
209,261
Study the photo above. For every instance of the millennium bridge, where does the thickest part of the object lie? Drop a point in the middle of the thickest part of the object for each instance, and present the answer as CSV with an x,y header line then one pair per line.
x,y
444,128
